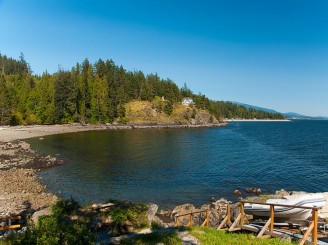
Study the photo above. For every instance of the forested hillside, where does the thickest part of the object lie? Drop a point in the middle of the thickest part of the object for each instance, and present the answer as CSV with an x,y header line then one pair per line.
x,y
93,93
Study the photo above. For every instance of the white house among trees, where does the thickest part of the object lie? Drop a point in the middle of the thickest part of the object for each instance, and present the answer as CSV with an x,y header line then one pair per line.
x,y
187,101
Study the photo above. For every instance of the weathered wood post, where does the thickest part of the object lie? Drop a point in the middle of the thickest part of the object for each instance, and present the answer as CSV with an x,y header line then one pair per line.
x,y
315,225
190,220
228,213
226,219
242,213
271,217
207,217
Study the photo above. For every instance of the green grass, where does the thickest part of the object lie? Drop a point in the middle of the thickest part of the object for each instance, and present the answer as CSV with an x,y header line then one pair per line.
x,y
209,236
169,238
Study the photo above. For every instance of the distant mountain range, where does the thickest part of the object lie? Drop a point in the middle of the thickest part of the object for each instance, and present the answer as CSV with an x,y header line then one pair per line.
x,y
290,115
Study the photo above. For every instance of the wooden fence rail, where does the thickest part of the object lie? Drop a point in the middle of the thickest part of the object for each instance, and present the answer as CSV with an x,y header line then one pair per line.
x,y
8,222
191,214
269,225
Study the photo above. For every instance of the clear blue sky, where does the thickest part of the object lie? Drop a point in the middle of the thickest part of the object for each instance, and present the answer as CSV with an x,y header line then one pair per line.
x,y
271,53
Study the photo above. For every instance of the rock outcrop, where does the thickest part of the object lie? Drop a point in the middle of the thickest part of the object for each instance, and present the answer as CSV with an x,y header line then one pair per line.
x,y
20,155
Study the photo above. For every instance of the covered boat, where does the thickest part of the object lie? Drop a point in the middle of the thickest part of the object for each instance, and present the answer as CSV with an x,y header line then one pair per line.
x,y
286,213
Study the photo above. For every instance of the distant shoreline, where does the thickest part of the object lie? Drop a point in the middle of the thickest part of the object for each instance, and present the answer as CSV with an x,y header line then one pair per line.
x,y
11,133
257,120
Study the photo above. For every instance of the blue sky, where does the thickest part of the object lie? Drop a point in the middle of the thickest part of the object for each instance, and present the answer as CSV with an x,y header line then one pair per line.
x,y
270,53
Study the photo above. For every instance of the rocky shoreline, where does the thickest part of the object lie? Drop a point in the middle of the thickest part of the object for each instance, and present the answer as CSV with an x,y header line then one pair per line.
x,y
19,163
21,155
23,193
22,190
9,133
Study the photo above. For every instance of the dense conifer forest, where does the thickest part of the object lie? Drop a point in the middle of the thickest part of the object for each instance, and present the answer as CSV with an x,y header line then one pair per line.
x,y
93,93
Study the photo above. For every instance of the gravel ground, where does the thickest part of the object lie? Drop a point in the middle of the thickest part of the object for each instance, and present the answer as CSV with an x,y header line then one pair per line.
x,y
22,191
8,134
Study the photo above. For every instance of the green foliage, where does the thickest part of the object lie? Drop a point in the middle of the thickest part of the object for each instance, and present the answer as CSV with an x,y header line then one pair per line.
x,y
121,111
157,104
65,207
94,93
65,97
119,215
168,108
32,119
194,113
155,225
185,91
26,238
170,238
11,66
209,236
136,213
55,229
16,119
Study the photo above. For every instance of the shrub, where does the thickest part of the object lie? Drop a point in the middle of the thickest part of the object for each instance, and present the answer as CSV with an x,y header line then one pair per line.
x,y
65,207
155,225
32,119
157,104
168,108
55,229
16,119
136,213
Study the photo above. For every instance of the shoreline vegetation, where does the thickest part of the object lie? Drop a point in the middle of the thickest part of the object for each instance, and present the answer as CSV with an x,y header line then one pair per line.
x,y
104,92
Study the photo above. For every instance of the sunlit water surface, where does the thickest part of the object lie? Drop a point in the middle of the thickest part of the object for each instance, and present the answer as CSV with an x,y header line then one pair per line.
x,y
174,166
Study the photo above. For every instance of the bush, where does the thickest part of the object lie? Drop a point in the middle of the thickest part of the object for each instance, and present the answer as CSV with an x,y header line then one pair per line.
x,y
65,207
168,108
155,225
157,104
32,119
16,119
28,237
55,229
119,215
136,213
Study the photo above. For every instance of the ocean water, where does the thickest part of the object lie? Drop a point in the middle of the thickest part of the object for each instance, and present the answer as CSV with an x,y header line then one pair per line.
x,y
175,166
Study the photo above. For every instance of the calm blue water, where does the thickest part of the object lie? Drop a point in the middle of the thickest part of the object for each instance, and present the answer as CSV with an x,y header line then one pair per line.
x,y
175,166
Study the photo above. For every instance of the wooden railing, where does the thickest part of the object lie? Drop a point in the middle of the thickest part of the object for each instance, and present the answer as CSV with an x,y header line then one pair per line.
x,y
8,221
270,223
191,214
268,228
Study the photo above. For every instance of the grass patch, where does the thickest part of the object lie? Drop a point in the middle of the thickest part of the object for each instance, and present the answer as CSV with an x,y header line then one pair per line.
x,y
209,236
136,213
170,238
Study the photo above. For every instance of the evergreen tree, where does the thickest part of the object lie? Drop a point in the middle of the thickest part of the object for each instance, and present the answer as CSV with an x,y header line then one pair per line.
x,y
94,93
64,97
